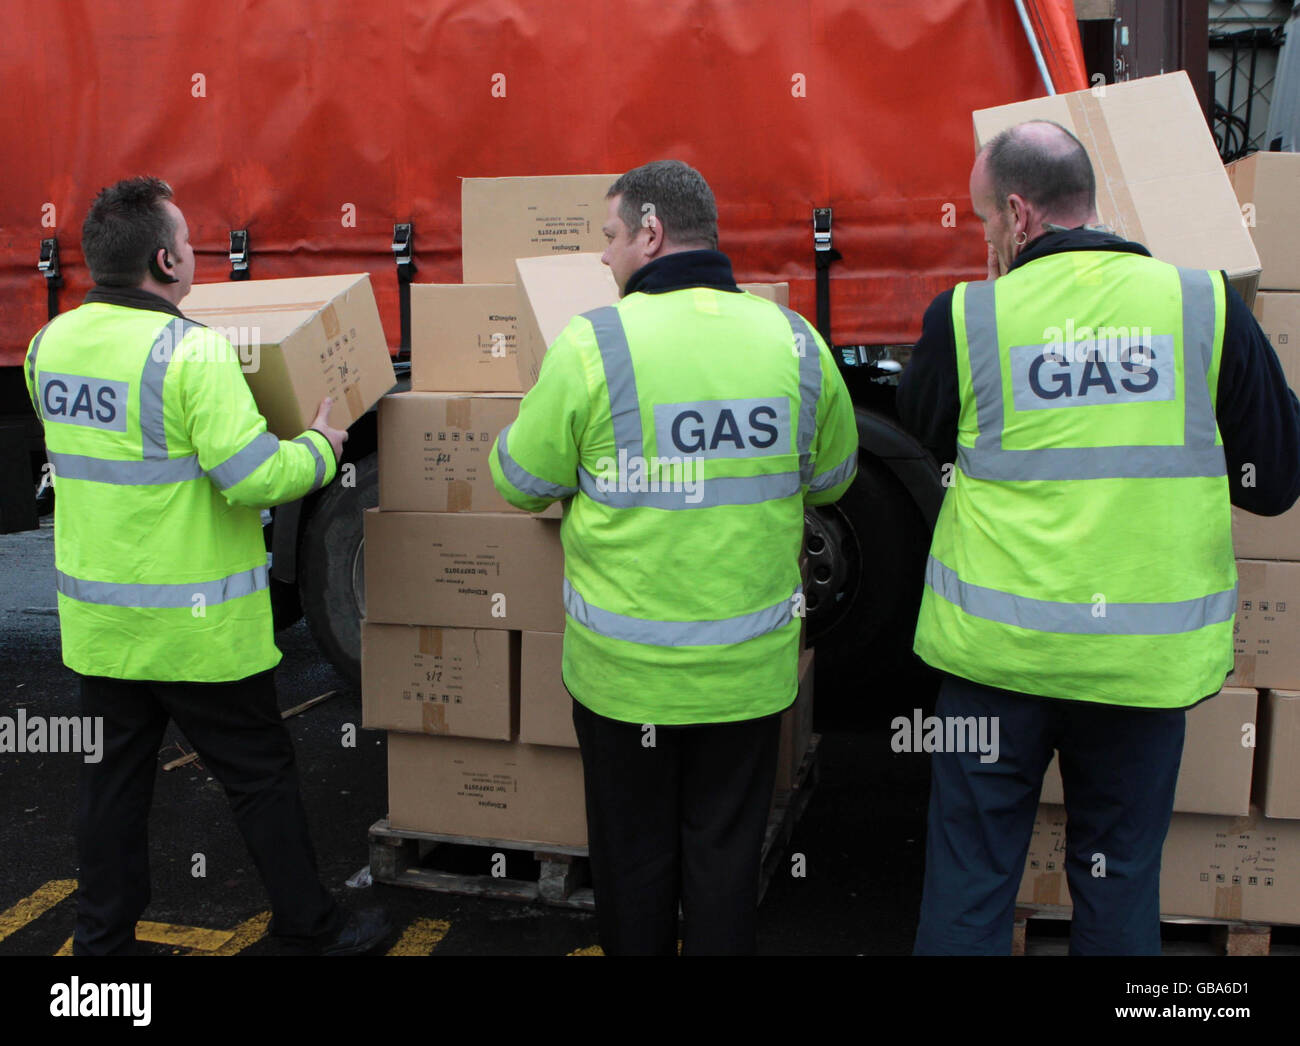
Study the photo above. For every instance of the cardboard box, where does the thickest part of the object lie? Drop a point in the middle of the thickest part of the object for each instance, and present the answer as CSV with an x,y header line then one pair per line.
x,y
502,219
1279,315
498,790
1268,190
796,727
1277,773
1215,774
545,707
1266,537
1159,177
1093,10
458,681
301,340
460,570
551,292
1238,868
1267,630
434,449
777,292
464,337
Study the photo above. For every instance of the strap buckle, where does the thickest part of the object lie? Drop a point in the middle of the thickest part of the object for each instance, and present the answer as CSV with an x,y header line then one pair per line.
x,y
48,264
821,229
239,254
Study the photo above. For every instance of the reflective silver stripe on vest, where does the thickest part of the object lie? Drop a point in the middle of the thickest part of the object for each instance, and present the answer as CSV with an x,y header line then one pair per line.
x,y
679,633
107,593
620,378
310,444
523,480
35,392
625,412
153,428
242,464
810,388
720,490
1041,615
1197,456
125,473
835,476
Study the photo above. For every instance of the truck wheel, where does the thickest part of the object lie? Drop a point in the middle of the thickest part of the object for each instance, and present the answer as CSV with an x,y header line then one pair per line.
x,y
866,571
331,567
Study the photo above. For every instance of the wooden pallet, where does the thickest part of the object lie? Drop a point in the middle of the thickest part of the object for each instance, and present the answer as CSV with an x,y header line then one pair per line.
x,y
561,874
1215,936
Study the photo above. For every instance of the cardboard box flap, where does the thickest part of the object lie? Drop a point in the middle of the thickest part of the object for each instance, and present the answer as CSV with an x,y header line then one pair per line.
x,y
1160,180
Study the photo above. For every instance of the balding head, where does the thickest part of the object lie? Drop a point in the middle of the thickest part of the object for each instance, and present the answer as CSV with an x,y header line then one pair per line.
x,y
1047,166
1032,175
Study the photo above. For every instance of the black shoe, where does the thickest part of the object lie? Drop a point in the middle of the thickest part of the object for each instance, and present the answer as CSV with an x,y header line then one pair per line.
x,y
361,931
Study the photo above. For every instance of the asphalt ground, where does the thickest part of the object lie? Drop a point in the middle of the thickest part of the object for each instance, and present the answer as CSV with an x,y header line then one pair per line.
x,y
860,844
861,837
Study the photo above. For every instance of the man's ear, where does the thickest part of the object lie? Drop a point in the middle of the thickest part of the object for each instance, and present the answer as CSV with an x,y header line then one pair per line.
x,y
654,231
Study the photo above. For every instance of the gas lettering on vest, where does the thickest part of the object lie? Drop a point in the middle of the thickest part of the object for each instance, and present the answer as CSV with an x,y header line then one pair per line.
x,y
94,402
1048,376
748,428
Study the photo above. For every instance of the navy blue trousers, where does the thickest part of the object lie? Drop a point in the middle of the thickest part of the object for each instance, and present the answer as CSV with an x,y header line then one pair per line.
x,y
1119,767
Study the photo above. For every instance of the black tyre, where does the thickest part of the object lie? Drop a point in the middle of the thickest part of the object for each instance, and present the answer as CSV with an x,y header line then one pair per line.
x,y
331,567
867,568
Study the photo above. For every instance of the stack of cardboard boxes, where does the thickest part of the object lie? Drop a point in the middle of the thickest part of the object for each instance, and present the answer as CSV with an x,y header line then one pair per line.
x,y
462,639
1233,849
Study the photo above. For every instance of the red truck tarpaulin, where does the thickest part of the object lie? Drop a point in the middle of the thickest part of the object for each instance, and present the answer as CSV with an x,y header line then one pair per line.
x,y
283,118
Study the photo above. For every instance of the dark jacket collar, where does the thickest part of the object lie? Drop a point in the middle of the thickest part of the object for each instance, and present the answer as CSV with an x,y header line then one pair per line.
x,y
131,298
683,269
1079,239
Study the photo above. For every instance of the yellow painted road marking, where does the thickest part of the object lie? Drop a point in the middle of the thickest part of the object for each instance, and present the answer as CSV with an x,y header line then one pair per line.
x,y
33,907
66,949
594,949
245,934
195,937
421,937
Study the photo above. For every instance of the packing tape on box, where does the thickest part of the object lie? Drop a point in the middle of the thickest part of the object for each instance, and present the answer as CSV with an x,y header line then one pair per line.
x,y
460,413
330,318
431,641
225,310
434,719
1243,671
1090,128
1047,888
1227,902
460,495
356,405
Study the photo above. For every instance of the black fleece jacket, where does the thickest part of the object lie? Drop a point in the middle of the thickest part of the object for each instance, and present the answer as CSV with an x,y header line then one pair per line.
x,y
681,269
1258,414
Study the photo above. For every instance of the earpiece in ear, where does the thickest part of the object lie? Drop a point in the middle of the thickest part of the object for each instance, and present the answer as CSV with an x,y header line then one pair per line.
x,y
156,270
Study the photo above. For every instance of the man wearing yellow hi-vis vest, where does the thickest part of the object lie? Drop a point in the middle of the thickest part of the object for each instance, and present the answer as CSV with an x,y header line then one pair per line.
x,y
1095,408
161,466
689,425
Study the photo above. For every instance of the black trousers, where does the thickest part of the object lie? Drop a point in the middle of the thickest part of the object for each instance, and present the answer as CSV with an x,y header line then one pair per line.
x,y
681,820
237,730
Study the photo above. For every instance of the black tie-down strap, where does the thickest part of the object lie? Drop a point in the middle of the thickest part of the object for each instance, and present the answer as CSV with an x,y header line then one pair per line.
x,y
48,266
404,256
823,255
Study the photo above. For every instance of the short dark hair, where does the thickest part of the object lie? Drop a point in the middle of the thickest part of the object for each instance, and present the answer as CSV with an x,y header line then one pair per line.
x,y
1051,177
126,224
680,197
